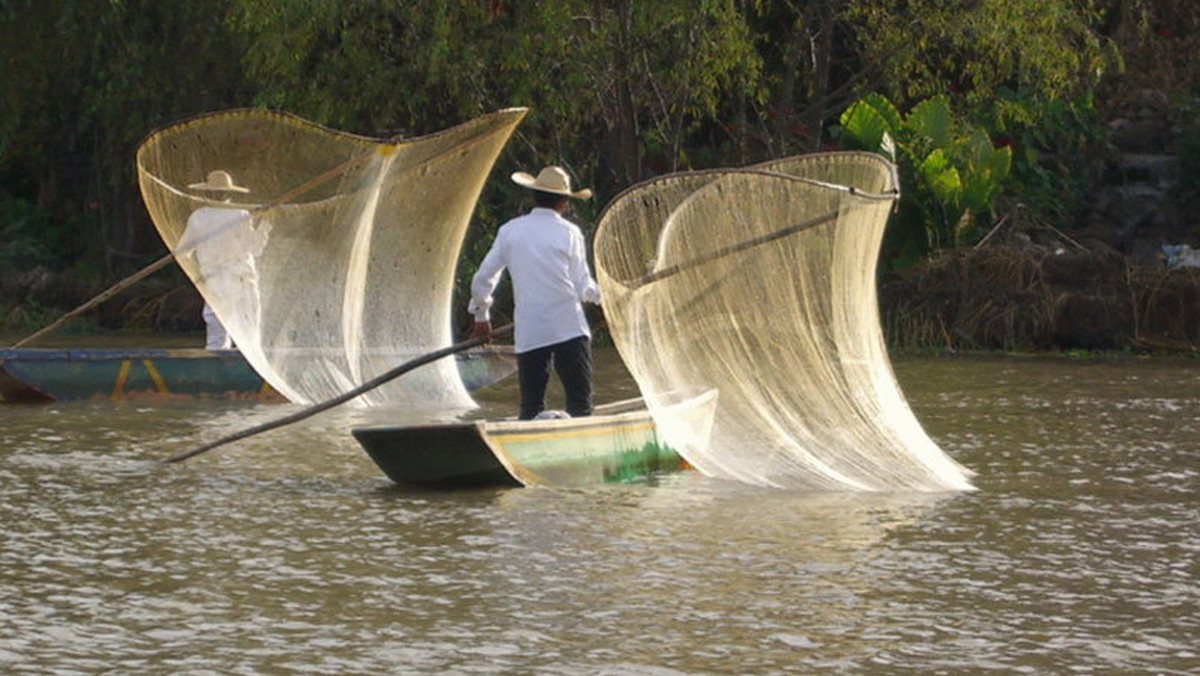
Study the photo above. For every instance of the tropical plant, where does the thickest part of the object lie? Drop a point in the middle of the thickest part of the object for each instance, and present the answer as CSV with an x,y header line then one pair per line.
x,y
953,169
1058,147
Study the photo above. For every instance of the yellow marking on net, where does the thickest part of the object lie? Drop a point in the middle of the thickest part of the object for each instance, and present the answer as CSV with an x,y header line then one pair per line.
x,y
159,383
122,377
570,434
388,148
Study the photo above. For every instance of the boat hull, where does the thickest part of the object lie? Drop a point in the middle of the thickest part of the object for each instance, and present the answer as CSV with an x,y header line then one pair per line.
x,y
619,444
43,375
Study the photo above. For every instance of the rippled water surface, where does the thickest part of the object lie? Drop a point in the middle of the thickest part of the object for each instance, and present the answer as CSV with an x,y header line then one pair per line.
x,y
290,553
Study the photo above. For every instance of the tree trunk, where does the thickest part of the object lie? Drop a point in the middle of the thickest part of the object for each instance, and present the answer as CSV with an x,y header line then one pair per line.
x,y
626,160
822,53
785,101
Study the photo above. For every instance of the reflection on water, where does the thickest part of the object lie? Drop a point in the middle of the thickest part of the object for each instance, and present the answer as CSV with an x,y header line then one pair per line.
x,y
290,552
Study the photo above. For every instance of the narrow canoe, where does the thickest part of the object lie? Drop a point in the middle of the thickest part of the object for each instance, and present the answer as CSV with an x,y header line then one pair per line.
x,y
619,443
43,375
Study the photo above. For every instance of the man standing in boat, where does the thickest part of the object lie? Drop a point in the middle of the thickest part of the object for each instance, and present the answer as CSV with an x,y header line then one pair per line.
x,y
224,245
546,258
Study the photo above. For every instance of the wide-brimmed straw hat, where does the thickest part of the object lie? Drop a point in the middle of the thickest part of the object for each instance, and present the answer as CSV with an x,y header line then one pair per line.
x,y
553,180
219,181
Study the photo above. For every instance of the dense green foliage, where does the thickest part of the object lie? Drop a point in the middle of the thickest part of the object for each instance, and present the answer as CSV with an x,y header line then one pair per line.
x,y
1188,150
924,48
950,168
619,90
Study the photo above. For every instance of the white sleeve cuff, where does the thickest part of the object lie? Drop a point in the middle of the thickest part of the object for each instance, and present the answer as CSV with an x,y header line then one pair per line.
x,y
591,293
480,309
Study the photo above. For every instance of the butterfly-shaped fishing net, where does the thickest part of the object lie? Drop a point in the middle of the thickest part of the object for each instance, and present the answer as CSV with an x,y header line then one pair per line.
x,y
329,257
757,286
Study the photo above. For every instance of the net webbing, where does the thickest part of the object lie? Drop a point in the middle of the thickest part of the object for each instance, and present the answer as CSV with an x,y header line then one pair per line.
x,y
758,284
338,263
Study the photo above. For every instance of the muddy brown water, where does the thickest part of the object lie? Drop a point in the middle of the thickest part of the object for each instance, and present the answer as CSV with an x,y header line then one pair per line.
x,y
290,553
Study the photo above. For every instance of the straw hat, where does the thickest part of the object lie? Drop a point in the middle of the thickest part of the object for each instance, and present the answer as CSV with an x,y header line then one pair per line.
x,y
553,180
219,180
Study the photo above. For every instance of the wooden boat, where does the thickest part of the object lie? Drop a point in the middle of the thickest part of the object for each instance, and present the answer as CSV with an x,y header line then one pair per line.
x,y
618,443
43,375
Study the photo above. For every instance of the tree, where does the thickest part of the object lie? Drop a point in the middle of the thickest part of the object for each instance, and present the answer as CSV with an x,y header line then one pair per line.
x,y
924,48
807,71
89,80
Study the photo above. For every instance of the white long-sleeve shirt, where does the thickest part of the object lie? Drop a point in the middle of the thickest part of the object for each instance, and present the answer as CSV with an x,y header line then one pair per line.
x,y
547,260
223,240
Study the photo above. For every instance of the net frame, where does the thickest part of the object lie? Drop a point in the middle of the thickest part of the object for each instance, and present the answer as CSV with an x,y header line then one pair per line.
x,y
759,284
358,270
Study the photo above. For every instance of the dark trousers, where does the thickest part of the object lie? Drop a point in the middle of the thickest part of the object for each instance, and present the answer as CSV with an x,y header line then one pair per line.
x,y
572,361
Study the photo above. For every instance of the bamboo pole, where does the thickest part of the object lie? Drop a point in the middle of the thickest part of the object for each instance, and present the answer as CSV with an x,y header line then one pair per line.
x,y
341,398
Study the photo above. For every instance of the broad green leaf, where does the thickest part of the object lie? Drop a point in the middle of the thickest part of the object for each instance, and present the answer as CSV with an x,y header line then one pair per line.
x,y
934,163
976,148
887,109
947,186
977,191
932,119
943,179
999,163
864,126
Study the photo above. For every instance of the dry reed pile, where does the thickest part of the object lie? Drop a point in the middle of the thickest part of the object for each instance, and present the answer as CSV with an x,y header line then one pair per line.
x,y
1041,298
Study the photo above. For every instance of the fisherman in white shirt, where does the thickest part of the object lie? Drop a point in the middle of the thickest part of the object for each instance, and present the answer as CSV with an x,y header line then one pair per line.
x,y
224,244
546,258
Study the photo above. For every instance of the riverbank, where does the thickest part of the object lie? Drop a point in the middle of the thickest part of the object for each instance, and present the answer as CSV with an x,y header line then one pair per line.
x,y
32,299
1056,297
1041,298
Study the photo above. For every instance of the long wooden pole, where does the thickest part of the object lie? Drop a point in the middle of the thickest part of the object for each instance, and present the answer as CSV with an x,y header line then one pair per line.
x,y
732,249
341,398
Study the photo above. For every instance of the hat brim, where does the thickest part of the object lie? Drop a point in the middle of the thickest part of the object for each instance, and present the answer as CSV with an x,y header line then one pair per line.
x,y
526,180
219,188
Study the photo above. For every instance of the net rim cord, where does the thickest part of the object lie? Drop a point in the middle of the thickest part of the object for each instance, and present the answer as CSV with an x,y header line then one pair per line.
x,y
891,195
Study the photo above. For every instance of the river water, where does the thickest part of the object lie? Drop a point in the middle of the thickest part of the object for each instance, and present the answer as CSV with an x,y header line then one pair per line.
x,y
290,553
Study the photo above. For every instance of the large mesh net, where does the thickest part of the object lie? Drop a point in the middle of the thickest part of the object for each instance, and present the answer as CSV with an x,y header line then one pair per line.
x,y
336,263
760,284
